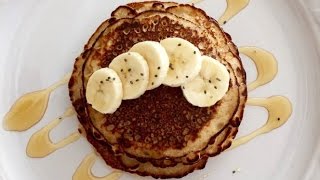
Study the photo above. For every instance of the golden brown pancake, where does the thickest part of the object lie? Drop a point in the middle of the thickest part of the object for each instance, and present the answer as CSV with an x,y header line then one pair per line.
x,y
198,16
115,136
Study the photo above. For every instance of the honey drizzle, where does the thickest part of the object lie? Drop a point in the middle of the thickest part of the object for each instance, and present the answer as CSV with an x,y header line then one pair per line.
x,y
233,8
30,108
40,144
83,172
266,64
279,109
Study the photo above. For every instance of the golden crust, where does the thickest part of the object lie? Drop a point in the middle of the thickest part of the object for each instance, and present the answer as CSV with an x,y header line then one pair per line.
x,y
163,168
180,115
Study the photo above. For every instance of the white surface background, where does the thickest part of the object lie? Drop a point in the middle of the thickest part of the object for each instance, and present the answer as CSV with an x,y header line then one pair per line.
x,y
281,26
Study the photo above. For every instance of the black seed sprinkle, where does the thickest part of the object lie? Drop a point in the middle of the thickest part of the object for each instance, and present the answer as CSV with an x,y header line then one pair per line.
x,y
158,67
114,79
205,92
109,77
179,44
137,80
101,82
233,172
152,83
60,118
183,87
215,87
156,75
141,74
187,76
224,22
125,60
278,119
218,79
170,66
177,77
131,82
121,70
194,52
129,69
209,81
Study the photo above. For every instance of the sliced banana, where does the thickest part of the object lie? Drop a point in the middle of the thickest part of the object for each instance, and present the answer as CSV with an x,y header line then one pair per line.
x,y
133,71
104,91
157,60
185,61
209,86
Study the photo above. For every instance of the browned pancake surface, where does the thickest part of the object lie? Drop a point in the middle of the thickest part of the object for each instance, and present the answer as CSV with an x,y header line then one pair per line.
x,y
156,25
121,161
148,119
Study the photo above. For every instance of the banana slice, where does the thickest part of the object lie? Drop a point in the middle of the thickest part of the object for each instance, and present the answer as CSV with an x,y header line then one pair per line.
x,y
209,86
185,61
133,71
157,59
104,91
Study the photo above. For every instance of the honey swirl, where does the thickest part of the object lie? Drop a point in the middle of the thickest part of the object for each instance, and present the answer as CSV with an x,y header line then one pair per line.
x,y
233,8
30,108
266,64
279,109
40,144
83,172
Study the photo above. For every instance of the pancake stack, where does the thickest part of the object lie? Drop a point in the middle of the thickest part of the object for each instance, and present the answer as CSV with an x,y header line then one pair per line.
x,y
159,134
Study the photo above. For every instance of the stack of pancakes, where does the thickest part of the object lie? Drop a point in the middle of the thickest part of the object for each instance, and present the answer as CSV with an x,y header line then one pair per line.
x,y
159,134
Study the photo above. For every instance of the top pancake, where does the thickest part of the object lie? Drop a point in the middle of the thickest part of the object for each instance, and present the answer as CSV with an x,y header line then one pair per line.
x,y
161,123
223,53
100,55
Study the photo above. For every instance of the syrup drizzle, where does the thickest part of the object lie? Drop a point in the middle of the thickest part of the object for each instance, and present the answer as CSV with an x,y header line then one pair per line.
x,y
266,64
30,108
279,109
40,144
233,8
83,172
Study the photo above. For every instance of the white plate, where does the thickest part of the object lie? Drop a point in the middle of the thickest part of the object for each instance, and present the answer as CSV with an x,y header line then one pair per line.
x,y
52,34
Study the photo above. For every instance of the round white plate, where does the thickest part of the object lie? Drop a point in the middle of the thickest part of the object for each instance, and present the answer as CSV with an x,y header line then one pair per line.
x,y
52,34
